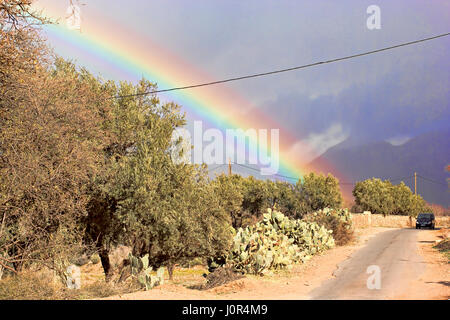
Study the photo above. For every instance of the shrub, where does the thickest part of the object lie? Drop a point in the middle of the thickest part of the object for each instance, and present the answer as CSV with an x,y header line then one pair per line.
x,y
95,258
337,220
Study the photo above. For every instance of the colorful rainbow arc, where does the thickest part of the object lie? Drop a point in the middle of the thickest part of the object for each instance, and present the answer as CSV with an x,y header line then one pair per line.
x,y
219,106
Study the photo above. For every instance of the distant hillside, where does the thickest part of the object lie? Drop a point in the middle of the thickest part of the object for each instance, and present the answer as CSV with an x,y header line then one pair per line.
x,y
427,154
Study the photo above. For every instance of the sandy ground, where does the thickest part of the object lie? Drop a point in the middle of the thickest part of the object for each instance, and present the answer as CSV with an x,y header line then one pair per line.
x,y
434,283
300,281
288,285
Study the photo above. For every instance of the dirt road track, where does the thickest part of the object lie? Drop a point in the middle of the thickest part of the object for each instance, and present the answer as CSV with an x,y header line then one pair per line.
x,y
410,269
397,255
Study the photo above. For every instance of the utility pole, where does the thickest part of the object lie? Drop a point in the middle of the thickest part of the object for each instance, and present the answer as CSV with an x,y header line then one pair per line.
x,y
229,167
415,183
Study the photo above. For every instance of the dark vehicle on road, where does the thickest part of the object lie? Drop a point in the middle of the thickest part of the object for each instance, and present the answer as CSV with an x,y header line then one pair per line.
x,y
425,220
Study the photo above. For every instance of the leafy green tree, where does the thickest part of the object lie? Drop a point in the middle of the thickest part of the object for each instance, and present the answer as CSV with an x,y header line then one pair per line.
x,y
402,199
155,205
317,191
256,196
374,195
382,197
418,205
182,221
229,192
282,196
247,198
51,145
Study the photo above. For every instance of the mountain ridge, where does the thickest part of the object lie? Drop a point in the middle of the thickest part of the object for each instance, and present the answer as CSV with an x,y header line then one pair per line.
x,y
427,154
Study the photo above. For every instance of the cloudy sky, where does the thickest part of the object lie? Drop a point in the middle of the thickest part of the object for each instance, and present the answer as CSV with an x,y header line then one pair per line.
x,y
390,96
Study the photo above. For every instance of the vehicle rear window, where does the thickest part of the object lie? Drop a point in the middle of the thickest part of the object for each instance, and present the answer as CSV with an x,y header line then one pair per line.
x,y
425,216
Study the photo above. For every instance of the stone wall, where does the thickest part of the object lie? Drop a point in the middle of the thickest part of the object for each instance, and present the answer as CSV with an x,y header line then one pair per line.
x,y
364,220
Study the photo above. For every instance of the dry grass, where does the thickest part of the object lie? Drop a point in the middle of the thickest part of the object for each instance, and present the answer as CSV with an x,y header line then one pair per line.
x,y
43,285
28,286
444,245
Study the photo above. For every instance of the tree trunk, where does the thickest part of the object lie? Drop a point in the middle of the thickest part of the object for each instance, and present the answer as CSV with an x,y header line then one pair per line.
x,y
104,258
17,266
170,268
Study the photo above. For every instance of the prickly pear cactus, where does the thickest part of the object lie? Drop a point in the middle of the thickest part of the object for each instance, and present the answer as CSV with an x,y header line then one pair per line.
x,y
141,270
277,242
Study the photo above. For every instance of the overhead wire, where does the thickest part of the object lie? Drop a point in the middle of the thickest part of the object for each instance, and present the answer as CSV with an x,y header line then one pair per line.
x,y
255,75
342,183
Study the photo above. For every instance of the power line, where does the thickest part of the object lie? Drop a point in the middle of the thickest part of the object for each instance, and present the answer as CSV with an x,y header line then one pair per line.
x,y
401,179
217,167
283,176
287,69
255,169
341,183
432,181
391,180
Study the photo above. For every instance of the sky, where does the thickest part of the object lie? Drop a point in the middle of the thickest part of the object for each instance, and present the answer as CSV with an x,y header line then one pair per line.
x,y
391,96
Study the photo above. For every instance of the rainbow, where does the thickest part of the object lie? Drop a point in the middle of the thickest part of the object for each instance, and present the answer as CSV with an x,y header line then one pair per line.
x,y
135,55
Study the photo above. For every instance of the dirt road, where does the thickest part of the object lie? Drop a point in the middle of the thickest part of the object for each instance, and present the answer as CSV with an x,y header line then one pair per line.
x,y
395,253
410,269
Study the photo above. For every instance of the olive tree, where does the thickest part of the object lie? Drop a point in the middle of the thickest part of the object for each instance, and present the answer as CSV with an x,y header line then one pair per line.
x,y
155,205
317,191
374,195
51,144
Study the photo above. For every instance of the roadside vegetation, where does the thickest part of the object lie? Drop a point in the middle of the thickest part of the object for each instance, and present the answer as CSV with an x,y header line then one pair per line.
x,y
444,244
444,248
82,173
383,197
